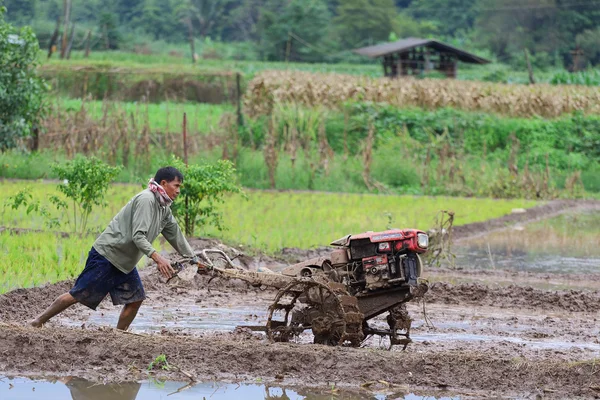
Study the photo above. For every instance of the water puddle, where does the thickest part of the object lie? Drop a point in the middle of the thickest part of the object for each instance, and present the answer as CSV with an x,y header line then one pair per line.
x,y
534,344
80,389
185,317
564,244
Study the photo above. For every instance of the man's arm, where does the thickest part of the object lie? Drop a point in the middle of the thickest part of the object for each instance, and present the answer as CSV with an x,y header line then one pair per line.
x,y
142,216
175,237
140,224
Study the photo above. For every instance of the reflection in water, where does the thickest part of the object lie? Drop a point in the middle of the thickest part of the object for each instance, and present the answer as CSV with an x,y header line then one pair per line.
x,y
565,244
80,389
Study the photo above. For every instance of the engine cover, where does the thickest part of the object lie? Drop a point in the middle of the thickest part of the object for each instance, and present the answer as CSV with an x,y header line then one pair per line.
x,y
376,271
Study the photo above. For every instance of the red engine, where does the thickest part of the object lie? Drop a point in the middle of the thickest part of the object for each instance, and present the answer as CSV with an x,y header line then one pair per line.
x,y
377,260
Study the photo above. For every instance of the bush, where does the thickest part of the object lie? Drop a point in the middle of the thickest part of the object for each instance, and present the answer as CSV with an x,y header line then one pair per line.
x,y
21,92
204,187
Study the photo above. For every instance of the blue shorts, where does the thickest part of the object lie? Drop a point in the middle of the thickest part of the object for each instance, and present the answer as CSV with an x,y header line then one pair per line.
x,y
100,277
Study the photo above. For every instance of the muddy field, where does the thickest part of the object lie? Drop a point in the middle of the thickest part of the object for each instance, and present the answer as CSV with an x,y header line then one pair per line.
x,y
488,333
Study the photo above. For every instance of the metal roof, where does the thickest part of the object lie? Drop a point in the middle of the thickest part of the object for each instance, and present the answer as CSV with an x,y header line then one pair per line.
x,y
403,45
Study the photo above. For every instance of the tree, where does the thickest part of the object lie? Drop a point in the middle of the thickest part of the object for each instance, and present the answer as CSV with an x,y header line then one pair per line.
x,y
545,27
297,30
151,19
203,188
85,182
365,22
452,16
407,26
589,42
20,11
21,90
107,25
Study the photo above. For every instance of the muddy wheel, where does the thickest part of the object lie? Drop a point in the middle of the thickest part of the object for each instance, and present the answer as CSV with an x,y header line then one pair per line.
x,y
325,308
398,319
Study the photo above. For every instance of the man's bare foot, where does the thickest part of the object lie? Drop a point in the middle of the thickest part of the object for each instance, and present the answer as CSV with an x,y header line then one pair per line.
x,y
35,323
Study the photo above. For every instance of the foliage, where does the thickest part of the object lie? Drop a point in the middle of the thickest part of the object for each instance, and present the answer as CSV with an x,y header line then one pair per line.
x,y
25,199
587,78
365,22
294,31
85,182
407,26
589,42
203,189
21,91
549,30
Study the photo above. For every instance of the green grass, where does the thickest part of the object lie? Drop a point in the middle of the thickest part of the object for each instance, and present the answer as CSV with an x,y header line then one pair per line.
x,y
159,63
34,259
573,234
273,220
164,63
167,116
267,221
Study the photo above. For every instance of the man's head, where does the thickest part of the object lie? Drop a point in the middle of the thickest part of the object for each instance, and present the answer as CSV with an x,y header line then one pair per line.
x,y
170,179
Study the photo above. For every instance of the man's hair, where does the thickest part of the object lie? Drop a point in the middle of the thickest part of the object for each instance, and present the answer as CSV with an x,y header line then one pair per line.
x,y
168,174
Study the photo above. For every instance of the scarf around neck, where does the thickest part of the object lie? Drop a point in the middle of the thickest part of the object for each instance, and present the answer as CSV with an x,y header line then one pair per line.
x,y
160,193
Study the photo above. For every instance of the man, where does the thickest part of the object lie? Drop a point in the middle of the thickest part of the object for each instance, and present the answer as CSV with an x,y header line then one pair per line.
x,y
110,267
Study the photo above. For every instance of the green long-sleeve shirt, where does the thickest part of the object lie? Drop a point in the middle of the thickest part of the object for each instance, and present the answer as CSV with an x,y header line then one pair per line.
x,y
131,232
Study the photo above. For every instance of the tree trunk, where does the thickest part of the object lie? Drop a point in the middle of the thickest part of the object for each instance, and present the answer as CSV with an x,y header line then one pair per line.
x,y
54,38
191,39
238,84
88,39
106,41
529,69
71,39
65,38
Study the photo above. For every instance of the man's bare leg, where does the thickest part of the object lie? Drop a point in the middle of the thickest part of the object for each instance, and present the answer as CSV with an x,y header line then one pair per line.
x,y
59,305
128,314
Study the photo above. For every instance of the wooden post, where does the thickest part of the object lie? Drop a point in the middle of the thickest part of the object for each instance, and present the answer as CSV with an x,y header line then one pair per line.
x,y
288,47
188,228
531,78
106,40
54,38
238,84
191,38
63,48
87,44
71,39
185,152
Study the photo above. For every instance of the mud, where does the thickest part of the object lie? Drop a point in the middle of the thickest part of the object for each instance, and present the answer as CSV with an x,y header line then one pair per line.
x,y
478,333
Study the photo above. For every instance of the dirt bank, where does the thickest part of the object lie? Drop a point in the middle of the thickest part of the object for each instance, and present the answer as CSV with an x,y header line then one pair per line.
x,y
114,356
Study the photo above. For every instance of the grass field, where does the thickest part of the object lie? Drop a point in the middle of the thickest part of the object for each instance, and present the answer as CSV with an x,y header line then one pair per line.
x,y
267,221
166,116
164,63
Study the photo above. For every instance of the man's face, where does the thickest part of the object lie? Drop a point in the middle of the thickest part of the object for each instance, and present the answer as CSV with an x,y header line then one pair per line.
x,y
172,188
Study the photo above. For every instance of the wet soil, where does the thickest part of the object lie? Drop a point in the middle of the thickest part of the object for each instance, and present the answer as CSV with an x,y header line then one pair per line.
x,y
478,333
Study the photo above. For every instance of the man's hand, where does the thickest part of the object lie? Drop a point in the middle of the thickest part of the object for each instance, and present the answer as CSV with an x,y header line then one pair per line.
x,y
163,265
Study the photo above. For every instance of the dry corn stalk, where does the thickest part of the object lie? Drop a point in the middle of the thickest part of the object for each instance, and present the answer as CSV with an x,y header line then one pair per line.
x,y
332,90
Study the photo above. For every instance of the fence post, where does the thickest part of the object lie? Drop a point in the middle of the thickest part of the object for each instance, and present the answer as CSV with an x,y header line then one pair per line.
x,y
240,118
185,152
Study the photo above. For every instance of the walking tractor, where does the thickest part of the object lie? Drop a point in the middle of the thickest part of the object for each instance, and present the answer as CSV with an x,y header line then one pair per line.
x,y
334,297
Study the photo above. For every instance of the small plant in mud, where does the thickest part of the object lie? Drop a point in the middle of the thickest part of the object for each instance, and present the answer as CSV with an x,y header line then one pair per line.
x,y
440,241
160,362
